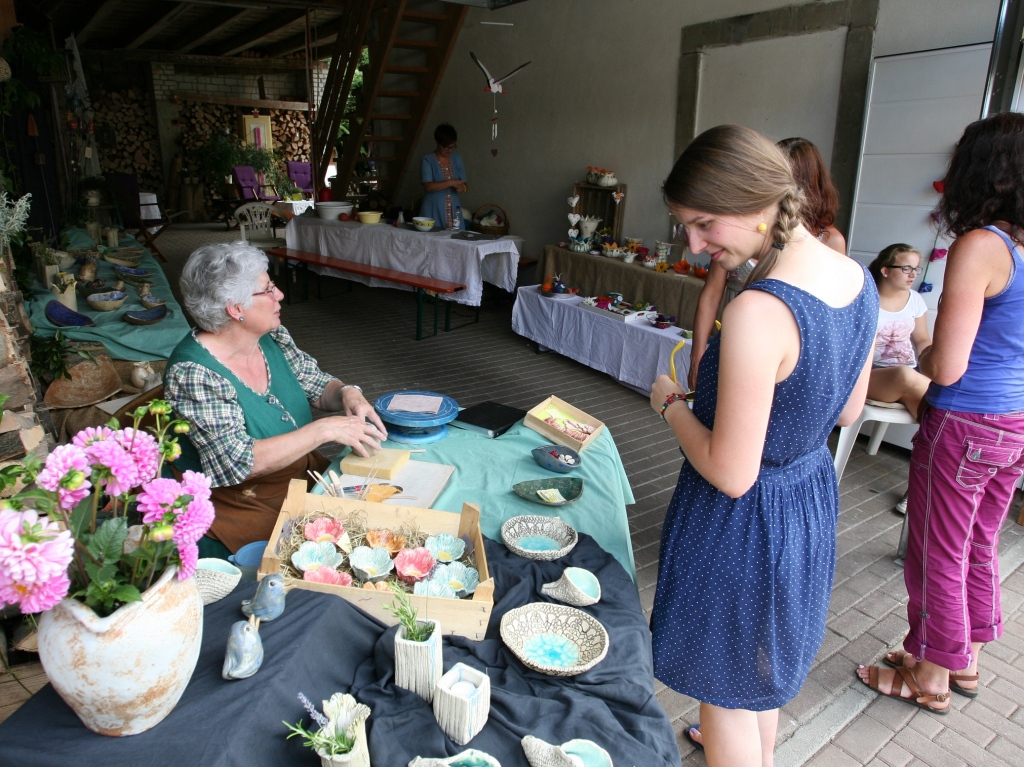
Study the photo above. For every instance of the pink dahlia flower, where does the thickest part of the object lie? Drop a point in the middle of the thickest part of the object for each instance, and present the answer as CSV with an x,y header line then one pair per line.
x,y
193,522
33,551
327,575
195,484
86,437
36,597
189,555
118,471
65,473
144,450
157,498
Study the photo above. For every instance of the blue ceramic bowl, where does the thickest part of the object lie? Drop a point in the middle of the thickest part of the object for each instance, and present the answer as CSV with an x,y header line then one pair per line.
x,y
547,457
107,301
63,317
147,317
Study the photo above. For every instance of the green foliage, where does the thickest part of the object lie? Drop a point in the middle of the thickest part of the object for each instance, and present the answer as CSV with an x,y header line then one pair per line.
x,y
3,400
48,356
402,609
324,740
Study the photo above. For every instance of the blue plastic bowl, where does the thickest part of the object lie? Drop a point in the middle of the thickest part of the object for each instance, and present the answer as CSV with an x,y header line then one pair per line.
x,y
544,458
248,559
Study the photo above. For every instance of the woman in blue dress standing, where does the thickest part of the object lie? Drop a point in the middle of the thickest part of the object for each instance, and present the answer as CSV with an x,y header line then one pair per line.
x,y
748,544
443,176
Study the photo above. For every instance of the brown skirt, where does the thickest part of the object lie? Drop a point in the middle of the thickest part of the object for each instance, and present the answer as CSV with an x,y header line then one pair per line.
x,y
248,511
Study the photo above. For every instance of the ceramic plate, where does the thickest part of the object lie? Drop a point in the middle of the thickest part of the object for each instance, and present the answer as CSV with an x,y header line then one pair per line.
x,y
549,294
60,315
571,489
554,639
147,317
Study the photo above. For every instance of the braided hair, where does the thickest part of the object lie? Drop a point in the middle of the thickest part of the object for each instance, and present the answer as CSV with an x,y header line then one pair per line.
x,y
734,170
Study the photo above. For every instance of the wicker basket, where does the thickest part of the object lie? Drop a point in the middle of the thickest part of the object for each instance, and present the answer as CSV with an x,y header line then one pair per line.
x,y
501,230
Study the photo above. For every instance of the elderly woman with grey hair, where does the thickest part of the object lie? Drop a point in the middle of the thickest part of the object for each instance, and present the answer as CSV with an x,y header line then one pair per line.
x,y
247,390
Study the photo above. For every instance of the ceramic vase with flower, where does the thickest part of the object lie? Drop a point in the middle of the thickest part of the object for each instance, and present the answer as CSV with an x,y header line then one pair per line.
x,y
419,665
122,650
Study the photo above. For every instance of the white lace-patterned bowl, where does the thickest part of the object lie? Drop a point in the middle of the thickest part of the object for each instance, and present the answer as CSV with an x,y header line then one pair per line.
x,y
535,537
554,639
216,578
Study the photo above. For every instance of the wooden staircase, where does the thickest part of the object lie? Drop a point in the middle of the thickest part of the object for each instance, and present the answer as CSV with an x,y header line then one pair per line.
x,y
408,50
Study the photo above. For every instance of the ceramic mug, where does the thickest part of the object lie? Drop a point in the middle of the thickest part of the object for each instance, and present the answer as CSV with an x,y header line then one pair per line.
x,y
577,586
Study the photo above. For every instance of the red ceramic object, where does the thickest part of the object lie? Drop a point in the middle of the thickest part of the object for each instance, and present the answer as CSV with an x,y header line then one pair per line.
x,y
324,195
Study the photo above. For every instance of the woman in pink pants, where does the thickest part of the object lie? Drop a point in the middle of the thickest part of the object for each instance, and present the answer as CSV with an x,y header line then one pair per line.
x,y
969,452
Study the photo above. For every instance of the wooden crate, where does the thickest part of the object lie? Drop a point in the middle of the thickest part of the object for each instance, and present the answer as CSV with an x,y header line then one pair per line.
x,y
598,201
465,617
535,420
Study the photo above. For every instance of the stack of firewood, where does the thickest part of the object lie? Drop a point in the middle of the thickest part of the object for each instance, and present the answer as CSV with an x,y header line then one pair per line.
x,y
20,430
291,134
127,121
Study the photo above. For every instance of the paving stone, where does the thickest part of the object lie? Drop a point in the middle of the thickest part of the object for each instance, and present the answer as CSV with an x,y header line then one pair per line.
x,y
811,699
894,755
892,713
1007,751
975,755
969,728
832,756
843,599
675,704
864,738
1000,725
852,623
926,723
925,751
878,604
865,649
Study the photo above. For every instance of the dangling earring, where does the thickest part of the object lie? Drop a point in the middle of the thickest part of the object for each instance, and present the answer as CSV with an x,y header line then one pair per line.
x,y
762,227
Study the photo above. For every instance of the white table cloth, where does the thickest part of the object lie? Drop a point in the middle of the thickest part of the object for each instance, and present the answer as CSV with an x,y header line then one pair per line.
x,y
429,254
633,353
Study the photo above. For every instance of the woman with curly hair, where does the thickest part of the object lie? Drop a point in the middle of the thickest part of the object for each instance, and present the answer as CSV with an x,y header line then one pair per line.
x,y
818,214
969,451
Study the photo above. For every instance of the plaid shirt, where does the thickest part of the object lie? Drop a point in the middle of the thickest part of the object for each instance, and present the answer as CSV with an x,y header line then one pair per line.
x,y
210,403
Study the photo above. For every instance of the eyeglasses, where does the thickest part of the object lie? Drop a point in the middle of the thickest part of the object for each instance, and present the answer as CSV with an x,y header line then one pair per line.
x,y
271,287
451,146
908,269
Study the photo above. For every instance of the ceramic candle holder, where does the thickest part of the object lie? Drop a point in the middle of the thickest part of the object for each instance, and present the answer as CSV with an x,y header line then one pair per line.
x,y
462,702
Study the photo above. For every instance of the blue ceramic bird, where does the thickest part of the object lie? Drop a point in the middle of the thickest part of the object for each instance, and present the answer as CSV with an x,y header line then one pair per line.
x,y
268,603
245,650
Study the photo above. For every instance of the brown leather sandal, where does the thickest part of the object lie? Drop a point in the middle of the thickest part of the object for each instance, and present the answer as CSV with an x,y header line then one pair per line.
x,y
937,704
894,659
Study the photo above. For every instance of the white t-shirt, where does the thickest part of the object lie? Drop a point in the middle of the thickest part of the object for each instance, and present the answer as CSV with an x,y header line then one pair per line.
x,y
892,338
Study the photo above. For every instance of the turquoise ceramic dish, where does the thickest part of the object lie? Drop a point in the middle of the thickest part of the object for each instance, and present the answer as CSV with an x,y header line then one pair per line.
x,y
536,537
571,488
554,639
556,458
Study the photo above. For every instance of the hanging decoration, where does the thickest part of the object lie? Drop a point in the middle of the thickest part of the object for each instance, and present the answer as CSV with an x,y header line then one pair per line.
x,y
494,86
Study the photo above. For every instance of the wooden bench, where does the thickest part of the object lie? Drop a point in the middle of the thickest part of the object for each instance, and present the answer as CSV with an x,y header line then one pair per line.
x,y
418,282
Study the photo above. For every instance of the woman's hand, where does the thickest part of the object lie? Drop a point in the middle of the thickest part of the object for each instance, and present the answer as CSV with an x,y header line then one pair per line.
x,y
351,430
660,389
457,184
355,404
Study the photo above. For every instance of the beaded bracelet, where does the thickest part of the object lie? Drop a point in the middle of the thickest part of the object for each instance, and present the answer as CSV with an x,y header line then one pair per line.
x,y
671,398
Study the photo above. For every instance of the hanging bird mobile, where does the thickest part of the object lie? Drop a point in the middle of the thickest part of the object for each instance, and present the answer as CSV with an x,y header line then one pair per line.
x,y
494,86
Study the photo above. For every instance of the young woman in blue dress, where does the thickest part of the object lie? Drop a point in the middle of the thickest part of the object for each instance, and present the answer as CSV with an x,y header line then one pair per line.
x,y
443,176
748,544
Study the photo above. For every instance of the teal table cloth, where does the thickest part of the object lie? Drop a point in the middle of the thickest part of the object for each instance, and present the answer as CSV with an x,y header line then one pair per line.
x,y
123,341
486,469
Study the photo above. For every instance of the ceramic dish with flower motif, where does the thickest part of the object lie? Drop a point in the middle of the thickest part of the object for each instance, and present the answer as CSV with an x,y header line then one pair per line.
x,y
413,565
385,539
462,579
432,588
445,548
370,564
311,556
327,575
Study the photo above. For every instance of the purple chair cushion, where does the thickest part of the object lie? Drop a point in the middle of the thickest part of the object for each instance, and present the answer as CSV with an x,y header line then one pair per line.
x,y
301,175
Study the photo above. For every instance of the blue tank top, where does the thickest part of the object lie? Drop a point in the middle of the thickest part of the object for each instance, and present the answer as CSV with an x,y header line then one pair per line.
x,y
994,381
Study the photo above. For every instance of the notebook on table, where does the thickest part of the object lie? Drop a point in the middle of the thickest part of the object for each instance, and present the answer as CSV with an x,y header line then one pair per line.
x,y
492,419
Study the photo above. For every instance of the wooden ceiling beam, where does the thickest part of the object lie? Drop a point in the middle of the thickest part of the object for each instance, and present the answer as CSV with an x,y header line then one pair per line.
x,y
190,59
298,43
96,21
211,26
259,32
303,4
158,26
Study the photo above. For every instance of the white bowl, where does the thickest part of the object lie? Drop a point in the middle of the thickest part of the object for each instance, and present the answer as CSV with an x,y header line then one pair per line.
x,y
422,223
331,210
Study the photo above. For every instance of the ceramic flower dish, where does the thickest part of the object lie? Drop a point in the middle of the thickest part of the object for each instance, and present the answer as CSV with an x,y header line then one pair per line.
x,y
370,565
445,548
571,488
312,555
413,565
461,579
556,458
554,639
147,317
108,301
63,317
536,537
432,588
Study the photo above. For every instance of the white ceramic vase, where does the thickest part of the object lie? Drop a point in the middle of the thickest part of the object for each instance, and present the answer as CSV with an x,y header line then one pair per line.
x,y
124,673
462,703
359,756
67,297
419,665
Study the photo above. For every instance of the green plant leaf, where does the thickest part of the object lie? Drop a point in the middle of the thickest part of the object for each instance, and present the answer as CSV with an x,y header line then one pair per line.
x,y
127,593
81,516
107,544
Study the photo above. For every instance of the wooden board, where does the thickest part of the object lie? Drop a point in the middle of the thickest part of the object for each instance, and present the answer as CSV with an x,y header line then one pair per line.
x,y
385,464
12,694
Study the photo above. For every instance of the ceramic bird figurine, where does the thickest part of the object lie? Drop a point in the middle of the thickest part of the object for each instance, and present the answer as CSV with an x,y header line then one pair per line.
x,y
268,603
494,85
245,650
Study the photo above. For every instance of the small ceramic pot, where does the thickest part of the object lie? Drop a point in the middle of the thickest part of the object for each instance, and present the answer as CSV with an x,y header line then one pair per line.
x,y
419,665
462,703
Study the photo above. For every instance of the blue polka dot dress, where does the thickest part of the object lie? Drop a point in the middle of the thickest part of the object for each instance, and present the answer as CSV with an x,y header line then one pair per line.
x,y
744,583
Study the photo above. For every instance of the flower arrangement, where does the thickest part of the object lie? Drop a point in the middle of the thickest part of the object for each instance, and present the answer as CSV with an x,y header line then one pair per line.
x,y
402,609
337,731
70,534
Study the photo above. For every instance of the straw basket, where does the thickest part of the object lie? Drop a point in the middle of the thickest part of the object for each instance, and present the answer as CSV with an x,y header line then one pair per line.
x,y
483,210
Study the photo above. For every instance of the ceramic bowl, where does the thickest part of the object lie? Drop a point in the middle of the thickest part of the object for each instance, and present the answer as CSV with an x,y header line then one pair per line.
x,y
106,302
445,548
578,752
432,588
369,216
577,586
413,565
468,758
462,580
536,537
556,458
312,555
152,302
330,210
147,317
422,223
554,639
370,565
571,488
216,578
63,317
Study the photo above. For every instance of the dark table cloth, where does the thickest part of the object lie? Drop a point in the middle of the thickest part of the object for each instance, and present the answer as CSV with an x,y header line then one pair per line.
x,y
323,645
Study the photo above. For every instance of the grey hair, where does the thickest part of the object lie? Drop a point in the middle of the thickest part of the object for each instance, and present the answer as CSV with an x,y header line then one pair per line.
x,y
216,276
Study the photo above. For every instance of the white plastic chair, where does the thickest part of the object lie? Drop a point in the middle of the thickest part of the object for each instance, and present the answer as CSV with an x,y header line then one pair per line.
x,y
883,414
258,226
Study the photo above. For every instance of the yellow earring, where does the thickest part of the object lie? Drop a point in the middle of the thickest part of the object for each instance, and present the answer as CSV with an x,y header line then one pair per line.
x,y
762,227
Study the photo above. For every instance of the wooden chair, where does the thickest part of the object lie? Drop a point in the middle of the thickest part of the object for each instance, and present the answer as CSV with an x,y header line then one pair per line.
x,y
124,188
250,186
257,221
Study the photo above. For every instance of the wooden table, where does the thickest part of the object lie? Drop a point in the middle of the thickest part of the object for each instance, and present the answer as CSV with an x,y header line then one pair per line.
x,y
596,275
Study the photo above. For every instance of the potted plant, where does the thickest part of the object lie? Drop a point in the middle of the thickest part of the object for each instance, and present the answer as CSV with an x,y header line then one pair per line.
x,y
340,737
121,618
63,287
418,661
